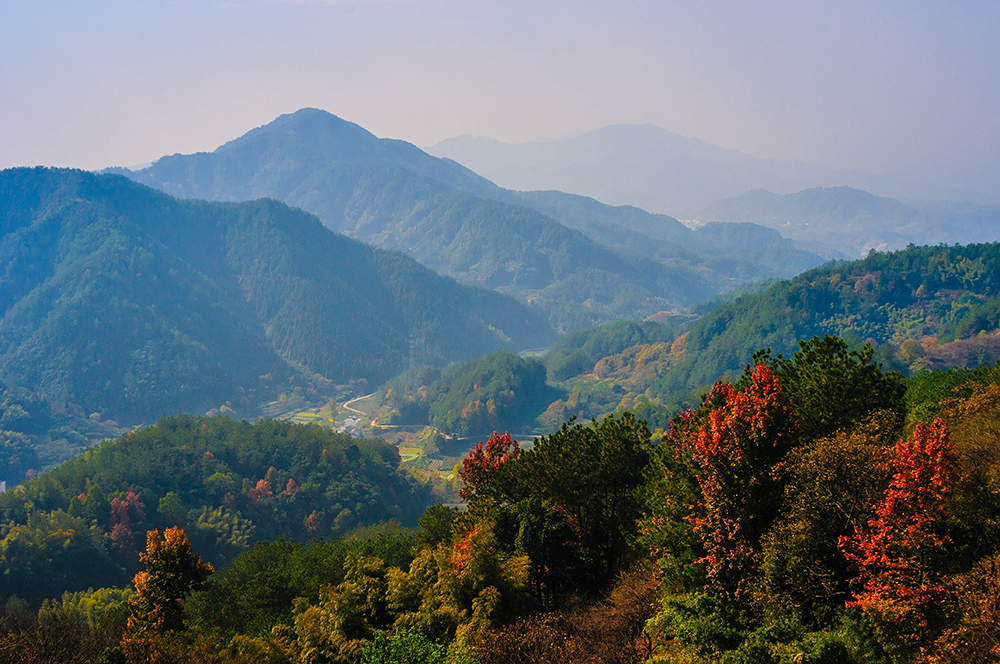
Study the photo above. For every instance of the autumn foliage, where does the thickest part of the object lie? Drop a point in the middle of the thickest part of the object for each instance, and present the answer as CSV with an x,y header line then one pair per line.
x,y
482,466
803,513
173,572
737,447
896,553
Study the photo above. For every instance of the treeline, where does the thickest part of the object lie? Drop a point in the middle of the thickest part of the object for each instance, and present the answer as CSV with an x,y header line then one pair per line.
x,y
229,484
816,509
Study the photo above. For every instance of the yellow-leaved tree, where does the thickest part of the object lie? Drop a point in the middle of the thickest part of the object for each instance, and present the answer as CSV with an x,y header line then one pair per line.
x,y
173,572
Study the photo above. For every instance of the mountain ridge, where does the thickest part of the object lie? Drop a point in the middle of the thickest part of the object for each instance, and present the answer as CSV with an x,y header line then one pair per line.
x,y
641,165
392,194
375,193
137,303
853,220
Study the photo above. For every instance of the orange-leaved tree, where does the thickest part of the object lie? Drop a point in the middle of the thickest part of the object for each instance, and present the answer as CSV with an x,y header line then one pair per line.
x,y
174,572
737,449
896,552
481,468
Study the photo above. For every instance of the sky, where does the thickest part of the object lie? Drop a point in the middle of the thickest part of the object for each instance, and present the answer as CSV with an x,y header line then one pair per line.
x,y
907,88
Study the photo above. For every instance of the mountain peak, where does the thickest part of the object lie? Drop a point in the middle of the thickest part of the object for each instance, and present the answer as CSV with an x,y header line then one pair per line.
x,y
309,129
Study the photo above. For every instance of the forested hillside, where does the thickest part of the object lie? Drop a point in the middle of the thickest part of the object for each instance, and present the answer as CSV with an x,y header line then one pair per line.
x,y
127,303
921,295
920,308
500,391
924,308
228,484
581,262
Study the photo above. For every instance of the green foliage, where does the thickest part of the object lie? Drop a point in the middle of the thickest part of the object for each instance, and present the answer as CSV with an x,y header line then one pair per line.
x,y
259,587
927,391
570,502
94,605
831,386
886,298
436,525
831,485
408,646
410,395
578,351
228,483
591,474
51,552
496,392
129,303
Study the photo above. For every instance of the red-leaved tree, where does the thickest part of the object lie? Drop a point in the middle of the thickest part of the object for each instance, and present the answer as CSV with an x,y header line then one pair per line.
x,y
895,554
738,450
481,467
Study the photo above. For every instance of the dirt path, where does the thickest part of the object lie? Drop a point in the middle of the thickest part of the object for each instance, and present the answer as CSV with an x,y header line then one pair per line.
x,y
347,404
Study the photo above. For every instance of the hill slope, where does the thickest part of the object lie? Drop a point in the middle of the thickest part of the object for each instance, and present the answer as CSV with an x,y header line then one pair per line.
x,y
904,302
393,195
728,253
228,484
131,303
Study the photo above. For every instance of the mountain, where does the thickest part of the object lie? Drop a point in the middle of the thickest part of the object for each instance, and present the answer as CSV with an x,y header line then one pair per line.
x,y
129,303
852,221
289,159
640,165
728,253
391,194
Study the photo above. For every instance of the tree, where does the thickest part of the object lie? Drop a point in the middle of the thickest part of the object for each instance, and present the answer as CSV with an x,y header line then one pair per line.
x,y
591,475
832,484
896,552
830,386
737,445
174,572
481,468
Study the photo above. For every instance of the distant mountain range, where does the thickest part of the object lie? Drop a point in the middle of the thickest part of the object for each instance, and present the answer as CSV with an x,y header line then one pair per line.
x,y
653,169
582,262
129,303
640,165
739,251
841,219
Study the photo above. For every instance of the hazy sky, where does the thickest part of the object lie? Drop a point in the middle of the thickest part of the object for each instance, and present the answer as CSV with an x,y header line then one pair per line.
x,y
905,87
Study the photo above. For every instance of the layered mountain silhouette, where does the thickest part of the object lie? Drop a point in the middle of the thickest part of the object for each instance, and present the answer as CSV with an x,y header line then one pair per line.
x,y
130,303
837,221
733,253
393,195
640,165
